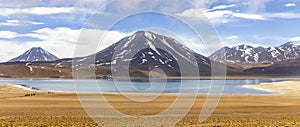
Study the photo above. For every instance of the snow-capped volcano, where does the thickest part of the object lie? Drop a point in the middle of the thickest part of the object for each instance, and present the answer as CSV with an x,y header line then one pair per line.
x,y
246,54
145,50
35,54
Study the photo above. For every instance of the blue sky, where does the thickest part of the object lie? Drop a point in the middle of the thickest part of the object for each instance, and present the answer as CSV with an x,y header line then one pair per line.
x,y
56,24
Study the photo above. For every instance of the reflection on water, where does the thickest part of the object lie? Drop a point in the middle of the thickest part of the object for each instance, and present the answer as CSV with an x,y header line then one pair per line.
x,y
232,86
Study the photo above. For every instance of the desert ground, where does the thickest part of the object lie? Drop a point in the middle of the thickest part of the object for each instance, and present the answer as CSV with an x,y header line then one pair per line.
x,y
64,109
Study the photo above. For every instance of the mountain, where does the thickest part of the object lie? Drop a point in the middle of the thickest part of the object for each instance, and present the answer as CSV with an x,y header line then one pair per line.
x,y
145,51
143,54
246,54
35,54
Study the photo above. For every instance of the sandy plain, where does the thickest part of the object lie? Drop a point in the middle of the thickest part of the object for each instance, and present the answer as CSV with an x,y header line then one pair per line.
x,y
64,109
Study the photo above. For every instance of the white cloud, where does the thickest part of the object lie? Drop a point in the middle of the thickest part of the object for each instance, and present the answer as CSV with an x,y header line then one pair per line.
x,y
295,39
248,16
61,41
8,34
223,7
218,16
233,37
290,5
283,15
68,35
19,23
36,10
9,50
59,34
17,3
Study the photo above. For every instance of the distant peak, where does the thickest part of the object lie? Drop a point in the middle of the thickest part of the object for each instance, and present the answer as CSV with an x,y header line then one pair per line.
x,y
260,47
139,32
243,46
226,47
36,48
288,44
35,54
143,32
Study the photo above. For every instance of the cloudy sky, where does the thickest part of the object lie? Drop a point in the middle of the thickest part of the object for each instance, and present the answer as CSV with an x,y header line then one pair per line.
x,y
56,25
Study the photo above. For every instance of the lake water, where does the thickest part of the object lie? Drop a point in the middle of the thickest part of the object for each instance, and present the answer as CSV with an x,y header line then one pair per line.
x,y
232,86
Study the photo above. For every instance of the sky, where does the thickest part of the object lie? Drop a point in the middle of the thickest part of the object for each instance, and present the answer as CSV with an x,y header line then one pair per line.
x,y
63,27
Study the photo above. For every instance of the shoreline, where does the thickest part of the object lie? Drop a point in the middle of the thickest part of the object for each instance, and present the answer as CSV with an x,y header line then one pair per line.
x,y
29,89
260,89
23,86
281,87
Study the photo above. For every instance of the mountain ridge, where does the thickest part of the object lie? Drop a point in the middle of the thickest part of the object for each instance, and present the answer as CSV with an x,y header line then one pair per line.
x,y
146,51
246,54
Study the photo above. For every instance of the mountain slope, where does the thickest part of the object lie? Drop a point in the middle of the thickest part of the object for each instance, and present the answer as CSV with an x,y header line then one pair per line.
x,y
35,54
287,67
245,54
146,51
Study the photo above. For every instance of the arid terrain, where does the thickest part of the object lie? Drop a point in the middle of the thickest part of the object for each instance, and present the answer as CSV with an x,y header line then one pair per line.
x,y
64,109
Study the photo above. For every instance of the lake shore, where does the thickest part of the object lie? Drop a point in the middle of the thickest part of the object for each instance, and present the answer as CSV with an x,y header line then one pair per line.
x,y
283,87
64,109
